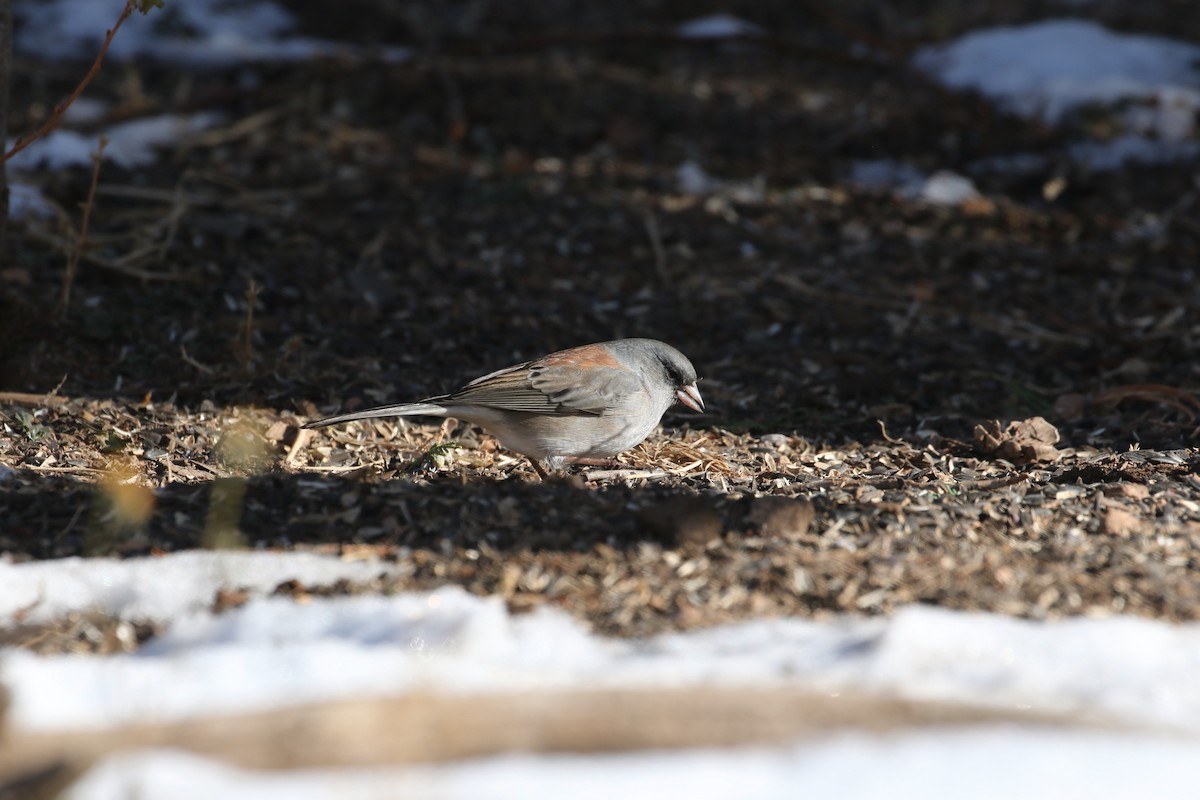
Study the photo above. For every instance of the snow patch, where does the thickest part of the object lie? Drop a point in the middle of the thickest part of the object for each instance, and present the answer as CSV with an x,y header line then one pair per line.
x,y
130,144
944,187
27,201
159,589
996,763
196,32
1051,69
691,178
718,26
1131,149
273,651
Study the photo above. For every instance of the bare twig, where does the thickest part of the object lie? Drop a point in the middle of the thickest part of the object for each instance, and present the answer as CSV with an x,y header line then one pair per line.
x,y
5,80
179,207
247,349
56,115
1181,400
660,255
302,437
124,265
188,359
73,260
626,474
31,399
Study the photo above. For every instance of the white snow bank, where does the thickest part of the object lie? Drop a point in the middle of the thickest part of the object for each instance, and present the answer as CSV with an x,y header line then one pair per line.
x,y
159,589
1049,69
984,764
274,651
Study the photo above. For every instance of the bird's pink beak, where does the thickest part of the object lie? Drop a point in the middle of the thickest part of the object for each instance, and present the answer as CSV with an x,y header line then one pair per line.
x,y
690,396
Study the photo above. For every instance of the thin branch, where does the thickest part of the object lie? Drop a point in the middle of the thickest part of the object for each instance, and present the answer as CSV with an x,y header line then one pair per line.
x,y
56,115
660,254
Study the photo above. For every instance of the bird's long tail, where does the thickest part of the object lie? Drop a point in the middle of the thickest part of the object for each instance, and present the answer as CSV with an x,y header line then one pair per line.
x,y
428,408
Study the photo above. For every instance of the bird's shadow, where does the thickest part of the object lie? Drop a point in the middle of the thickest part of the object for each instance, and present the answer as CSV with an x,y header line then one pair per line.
x,y
59,516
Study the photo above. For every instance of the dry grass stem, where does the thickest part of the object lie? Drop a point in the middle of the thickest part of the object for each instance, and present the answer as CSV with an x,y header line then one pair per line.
x,y
81,239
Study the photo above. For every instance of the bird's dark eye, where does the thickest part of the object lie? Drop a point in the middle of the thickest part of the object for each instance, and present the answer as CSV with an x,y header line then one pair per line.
x,y
675,373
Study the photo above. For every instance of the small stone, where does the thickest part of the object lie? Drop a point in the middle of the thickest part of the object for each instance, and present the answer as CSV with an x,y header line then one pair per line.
x,y
787,517
1119,521
684,520
228,598
281,431
1134,491
1070,407
1023,442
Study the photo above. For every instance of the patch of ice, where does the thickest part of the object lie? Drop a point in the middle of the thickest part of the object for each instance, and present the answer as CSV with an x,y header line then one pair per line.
x,y
74,29
984,763
1051,68
85,110
196,32
692,179
130,144
25,201
57,150
717,26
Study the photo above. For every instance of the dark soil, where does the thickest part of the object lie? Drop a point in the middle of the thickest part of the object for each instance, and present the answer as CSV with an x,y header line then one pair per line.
x,y
360,232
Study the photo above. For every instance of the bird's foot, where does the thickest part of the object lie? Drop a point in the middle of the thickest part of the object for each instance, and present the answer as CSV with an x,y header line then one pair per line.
x,y
539,469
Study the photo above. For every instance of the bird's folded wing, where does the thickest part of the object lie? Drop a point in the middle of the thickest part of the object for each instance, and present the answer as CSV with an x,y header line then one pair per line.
x,y
548,389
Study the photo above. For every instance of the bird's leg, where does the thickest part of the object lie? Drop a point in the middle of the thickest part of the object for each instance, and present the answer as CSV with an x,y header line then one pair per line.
x,y
538,469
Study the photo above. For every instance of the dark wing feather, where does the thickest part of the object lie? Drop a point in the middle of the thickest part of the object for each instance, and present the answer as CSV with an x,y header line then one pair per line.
x,y
507,389
592,390
548,388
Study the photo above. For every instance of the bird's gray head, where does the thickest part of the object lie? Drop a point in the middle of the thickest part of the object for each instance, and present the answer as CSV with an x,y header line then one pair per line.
x,y
679,372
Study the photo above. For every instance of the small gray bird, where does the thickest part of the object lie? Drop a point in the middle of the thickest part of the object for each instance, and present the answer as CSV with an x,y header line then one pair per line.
x,y
588,402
